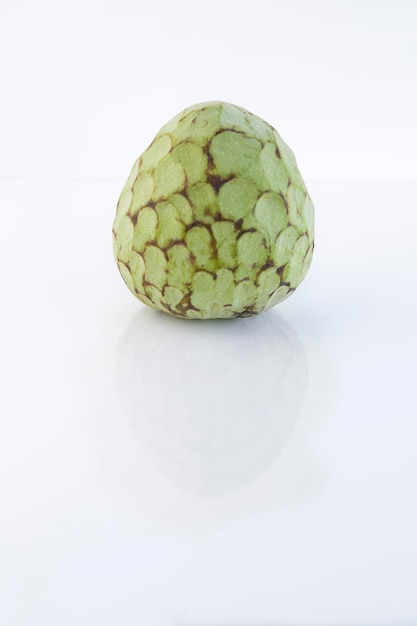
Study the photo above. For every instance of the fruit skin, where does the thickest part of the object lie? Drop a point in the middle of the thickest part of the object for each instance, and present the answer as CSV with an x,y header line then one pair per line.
x,y
214,220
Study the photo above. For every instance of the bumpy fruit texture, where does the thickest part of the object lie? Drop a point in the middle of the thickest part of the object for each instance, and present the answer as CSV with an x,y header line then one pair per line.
x,y
214,220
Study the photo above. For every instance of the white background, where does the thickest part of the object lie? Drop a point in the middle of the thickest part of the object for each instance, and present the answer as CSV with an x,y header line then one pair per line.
x,y
167,473
86,86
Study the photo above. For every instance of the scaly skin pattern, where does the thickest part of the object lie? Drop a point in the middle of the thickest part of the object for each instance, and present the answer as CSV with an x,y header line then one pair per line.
x,y
214,220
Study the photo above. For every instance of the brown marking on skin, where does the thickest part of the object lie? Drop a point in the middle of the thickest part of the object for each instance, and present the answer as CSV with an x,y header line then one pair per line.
x,y
238,224
212,273
184,193
251,133
248,230
183,116
277,153
213,243
178,314
206,148
192,258
310,247
248,311
267,265
284,199
210,161
298,209
241,132
185,304
134,218
141,254
126,264
215,181
181,193
230,129
151,243
174,242
266,123
280,270
197,223
168,307
186,185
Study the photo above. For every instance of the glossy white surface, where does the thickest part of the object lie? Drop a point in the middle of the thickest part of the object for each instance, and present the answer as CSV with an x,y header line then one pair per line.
x,y
168,473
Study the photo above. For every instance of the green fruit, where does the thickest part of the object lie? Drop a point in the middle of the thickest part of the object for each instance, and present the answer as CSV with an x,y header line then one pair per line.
x,y
214,219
